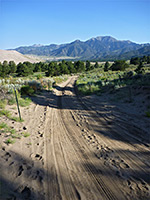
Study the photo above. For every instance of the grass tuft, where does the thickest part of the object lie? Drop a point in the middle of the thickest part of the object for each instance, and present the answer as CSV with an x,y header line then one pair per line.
x,y
9,116
2,104
10,141
11,101
24,102
3,125
25,134
5,112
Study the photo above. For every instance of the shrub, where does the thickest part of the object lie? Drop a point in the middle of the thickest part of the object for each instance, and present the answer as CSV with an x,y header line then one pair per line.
x,y
3,125
119,65
10,141
27,90
39,76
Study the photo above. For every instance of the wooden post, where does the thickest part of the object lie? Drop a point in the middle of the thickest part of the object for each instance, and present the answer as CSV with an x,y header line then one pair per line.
x,y
17,103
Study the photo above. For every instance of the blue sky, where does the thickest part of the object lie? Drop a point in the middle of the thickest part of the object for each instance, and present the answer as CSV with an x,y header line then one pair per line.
x,y
28,22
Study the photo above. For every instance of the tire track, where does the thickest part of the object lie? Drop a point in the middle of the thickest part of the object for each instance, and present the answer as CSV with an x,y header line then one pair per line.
x,y
93,171
121,153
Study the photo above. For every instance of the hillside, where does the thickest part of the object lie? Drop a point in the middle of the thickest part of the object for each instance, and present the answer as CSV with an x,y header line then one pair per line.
x,y
99,48
11,55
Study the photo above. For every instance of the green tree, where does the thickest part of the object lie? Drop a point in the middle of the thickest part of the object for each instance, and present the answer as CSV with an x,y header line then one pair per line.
x,y
139,69
88,65
135,61
144,59
37,67
96,65
106,66
22,70
70,67
57,69
30,67
148,59
79,66
12,66
6,68
119,65
51,69
64,68
1,69
44,66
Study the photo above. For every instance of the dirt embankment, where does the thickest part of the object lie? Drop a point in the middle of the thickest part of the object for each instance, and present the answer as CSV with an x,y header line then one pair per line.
x,y
78,148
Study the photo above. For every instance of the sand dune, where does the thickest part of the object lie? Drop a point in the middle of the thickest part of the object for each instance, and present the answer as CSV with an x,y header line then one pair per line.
x,y
11,55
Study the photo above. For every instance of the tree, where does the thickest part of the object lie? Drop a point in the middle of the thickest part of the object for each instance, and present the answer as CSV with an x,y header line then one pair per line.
x,y
37,67
96,65
12,66
51,69
88,65
57,69
1,68
30,67
148,59
144,59
139,69
22,69
106,66
44,66
119,65
6,68
135,61
63,68
79,66
70,67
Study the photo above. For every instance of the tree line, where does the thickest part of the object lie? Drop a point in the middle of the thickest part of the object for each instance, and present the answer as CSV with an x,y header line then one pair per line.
x,y
64,67
138,60
51,69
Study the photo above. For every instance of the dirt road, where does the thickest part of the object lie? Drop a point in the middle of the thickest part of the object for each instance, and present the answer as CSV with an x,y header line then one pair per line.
x,y
79,148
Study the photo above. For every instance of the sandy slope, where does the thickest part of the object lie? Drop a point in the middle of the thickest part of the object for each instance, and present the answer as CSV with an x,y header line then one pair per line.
x,y
11,55
79,148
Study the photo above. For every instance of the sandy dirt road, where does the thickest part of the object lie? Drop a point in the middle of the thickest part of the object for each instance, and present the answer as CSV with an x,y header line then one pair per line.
x,y
79,148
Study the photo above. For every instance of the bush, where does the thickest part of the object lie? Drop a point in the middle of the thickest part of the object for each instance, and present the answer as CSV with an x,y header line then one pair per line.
x,y
10,141
119,65
27,90
39,76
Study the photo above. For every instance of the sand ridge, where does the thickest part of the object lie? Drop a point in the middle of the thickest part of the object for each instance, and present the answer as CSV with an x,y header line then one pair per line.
x,y
12,55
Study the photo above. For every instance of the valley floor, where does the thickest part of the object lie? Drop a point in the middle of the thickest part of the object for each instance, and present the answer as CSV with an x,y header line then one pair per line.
x,y
79,148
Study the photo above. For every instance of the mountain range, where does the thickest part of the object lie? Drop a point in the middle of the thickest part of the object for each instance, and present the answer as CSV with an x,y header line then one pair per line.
x,y
98,48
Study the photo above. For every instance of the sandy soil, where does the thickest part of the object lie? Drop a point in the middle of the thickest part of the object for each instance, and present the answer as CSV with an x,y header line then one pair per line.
x,y
88,148
11,55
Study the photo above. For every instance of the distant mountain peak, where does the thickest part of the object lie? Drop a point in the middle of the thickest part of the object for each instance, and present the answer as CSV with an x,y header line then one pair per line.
x,y
76,41
104,39
37,45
